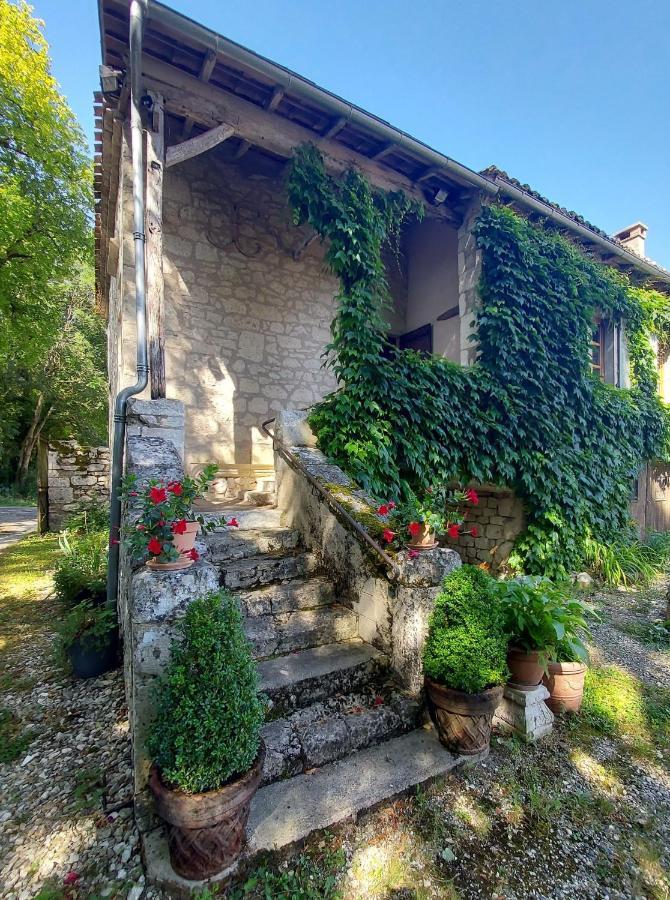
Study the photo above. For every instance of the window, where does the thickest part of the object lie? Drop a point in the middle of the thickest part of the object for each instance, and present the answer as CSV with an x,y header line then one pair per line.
x,y
598,349
419,339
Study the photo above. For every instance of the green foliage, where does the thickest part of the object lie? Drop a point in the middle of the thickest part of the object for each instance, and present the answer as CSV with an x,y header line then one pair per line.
x,y
466,647
311,876
52,341
541,615
88,624
81,572
209,716
636,562
528,414
89,516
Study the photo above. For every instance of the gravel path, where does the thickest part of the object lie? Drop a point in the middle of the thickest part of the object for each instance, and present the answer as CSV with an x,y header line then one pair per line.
x,y
15,523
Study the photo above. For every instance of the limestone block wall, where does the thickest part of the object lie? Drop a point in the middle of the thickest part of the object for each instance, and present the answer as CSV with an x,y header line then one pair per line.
x,y
499,519
76,475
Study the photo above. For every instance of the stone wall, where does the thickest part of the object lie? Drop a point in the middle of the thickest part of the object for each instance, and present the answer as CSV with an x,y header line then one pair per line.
x,y
76,475
499,519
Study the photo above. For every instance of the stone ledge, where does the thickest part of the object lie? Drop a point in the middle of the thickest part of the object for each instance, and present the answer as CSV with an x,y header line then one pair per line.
x,y
164,596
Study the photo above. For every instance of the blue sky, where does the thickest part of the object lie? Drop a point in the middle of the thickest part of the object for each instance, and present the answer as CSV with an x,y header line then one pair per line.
x,y
569,96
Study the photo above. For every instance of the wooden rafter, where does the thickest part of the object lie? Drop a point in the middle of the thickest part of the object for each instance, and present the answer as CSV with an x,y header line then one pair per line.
x,y
199,144
275,99
380,154
336,127
207,67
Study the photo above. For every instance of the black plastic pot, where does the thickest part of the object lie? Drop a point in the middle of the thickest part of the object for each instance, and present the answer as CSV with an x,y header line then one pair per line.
x,y
89,660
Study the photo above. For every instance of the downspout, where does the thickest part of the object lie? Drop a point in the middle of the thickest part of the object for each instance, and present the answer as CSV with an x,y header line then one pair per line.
x,y
137,12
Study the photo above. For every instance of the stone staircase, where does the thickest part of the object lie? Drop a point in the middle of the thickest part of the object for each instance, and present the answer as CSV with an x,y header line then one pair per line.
x,y
341,735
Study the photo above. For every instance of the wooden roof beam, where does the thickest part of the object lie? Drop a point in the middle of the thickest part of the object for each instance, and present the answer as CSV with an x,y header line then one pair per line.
x,y
207,66
275,99
385,150
187,96
198,144
335,127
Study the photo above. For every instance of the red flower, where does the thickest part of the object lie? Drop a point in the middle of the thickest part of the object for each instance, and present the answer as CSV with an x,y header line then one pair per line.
x,y
472,496
391,504
133,494
388,535
175,487
473,531
115,541
383,509
141,527
453,531
179,527
378,701
154,546
233,523
413,554
158,495
71,878
414,528
195,556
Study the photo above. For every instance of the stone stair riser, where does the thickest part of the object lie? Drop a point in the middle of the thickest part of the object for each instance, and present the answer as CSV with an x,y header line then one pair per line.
x,y
232,544
256,571
274,635
281,598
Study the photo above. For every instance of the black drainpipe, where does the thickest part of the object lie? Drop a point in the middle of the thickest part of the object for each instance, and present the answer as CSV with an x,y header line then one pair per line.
x,y
137,11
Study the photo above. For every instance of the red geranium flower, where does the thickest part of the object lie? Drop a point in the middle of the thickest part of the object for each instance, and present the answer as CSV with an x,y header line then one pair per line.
x,y
233,523
472,496
391,504
141,527
413,554
194,554
388,535
473,531
175,487
453,531
154,546
179,527
383,509
378,701
158,495
71,878
414,528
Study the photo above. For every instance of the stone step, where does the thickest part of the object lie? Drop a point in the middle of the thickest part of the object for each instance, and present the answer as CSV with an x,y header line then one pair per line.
x,y
286,813
299,630
248,515
261,498
254,571
336,727
300,679
301,593
231,543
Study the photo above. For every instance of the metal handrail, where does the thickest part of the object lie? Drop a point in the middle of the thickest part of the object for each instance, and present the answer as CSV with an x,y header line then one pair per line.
x,y
336,507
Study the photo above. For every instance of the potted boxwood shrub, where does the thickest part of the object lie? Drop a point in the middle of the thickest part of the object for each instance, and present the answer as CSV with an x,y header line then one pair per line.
x,y
205,740
88,639
164,533
540,615
465,660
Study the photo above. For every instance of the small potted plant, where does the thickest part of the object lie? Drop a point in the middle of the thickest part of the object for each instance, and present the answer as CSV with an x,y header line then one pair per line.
x,y
88,639
165,531
205,740
465,660
540,616
417,521
564,678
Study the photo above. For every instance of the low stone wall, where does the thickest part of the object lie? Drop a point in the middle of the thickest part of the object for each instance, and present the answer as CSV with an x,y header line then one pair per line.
x,y
393,610
499,519
75,475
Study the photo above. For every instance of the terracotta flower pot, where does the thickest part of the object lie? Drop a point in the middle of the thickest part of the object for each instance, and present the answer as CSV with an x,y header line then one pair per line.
x,y
184,543
206,832
424,540
463,721
565,683
525,669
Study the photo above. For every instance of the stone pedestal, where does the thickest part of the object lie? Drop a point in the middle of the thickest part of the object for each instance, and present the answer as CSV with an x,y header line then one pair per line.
x,y
524,713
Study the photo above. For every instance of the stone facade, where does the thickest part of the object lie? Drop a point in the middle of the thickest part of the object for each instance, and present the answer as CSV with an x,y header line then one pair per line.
x,y
499,519
76,475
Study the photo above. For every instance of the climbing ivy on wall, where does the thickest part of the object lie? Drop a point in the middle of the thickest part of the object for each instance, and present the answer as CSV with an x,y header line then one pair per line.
x,y
529,413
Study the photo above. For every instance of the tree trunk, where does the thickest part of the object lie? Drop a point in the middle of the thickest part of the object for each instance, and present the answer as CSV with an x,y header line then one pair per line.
x,y
30,440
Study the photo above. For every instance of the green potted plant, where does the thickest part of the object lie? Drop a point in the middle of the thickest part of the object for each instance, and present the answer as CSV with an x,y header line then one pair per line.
x,y
465,660
540,616
205,740
88,639
417,521
564,678
164,533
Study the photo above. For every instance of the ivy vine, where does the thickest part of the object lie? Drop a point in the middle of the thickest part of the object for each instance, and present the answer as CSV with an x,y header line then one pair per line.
x,y
529,413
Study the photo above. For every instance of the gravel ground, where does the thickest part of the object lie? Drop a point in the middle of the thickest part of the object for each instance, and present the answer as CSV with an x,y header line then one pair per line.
x,y
578,816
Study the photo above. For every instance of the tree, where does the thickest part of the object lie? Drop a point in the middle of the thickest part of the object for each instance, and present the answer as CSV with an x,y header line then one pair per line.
x,y
51,340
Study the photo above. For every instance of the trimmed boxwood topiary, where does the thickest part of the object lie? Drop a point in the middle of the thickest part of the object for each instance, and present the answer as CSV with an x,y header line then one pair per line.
x,y
466,648
209,715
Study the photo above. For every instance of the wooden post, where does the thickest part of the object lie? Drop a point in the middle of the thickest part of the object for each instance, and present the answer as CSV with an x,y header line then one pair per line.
x,y
42,486
155,162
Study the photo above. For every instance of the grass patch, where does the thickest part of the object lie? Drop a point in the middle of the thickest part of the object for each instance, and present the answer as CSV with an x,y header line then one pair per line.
x,y
312,876
618,704
637,562
14,738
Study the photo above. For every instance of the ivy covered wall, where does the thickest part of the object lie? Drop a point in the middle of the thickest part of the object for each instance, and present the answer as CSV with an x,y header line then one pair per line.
x,y
528,414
